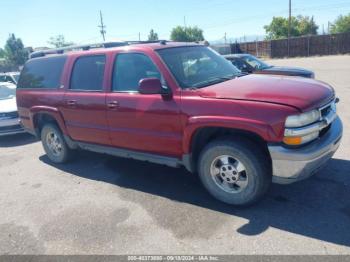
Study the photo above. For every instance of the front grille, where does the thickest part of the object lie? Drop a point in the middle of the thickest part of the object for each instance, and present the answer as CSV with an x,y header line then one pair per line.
x,y
9,115
326,110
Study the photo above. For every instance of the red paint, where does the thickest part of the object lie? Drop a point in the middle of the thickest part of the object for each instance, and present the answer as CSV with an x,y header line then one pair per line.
x,y
166,125
300,92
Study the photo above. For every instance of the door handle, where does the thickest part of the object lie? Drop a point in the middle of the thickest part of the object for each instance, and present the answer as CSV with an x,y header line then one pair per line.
x,y
112,104
71,102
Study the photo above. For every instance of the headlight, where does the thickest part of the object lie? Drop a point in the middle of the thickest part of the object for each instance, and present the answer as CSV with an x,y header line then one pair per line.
x,y
303,128
303,119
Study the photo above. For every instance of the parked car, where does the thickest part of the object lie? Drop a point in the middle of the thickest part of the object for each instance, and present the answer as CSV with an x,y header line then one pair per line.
x,y
9,120
181,104
10,77
250,64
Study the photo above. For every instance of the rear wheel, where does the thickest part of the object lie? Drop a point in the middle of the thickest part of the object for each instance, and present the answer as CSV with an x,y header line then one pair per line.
x,y
235,172
54,144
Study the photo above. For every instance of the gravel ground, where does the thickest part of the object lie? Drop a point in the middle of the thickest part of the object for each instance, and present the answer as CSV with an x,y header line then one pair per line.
x,y
106,205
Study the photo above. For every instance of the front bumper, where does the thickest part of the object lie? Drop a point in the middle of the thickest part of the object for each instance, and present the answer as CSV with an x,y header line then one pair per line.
x,y
10,126
291,165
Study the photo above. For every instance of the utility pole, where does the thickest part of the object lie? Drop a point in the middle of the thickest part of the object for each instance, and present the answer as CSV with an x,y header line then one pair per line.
x,y
289,25
225,37
185,22
102,27
139,36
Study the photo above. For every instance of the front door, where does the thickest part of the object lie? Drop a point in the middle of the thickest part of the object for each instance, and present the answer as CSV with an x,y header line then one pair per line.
x,y
148,123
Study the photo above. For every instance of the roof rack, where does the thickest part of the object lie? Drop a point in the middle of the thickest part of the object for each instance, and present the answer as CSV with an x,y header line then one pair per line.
x,y
85,47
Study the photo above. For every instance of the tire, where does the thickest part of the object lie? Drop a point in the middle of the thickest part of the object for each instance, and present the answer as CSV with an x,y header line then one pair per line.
x,y
244,171
58,152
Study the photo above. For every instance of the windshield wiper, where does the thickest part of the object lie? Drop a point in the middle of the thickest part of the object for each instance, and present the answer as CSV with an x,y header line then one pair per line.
x,y
242,74
214,80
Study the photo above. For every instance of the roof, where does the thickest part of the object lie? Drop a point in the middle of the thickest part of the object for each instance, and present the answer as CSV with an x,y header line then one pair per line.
x,y
236,55
111,46
9,73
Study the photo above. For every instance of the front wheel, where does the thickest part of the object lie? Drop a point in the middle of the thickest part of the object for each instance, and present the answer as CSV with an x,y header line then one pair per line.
x,y
54,144
235,172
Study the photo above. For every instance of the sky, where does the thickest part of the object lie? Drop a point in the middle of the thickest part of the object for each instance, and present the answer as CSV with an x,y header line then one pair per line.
x,y
35,21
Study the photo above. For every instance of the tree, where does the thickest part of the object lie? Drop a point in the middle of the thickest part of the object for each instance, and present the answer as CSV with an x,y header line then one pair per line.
x,y
187,34
15,54
153,36
307,25
59,41
300,25
341,24
2,53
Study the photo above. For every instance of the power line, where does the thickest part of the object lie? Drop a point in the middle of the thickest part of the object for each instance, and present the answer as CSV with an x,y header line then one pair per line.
x,y
253,18
102,27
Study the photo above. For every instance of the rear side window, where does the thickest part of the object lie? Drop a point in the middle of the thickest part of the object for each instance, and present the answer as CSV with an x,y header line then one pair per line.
x,y
88,73
42,73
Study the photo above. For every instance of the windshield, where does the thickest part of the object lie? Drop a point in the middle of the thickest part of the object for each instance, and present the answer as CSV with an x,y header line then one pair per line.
x,y
16,76
197,66
3,78
7,91
255,62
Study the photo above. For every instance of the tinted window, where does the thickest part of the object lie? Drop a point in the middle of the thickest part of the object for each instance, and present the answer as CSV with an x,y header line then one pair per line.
x,y
3,78
239,64
42,73
88,73
129,69
255,63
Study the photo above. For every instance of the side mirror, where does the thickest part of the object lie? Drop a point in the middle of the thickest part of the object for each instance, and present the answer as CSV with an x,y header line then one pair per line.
x,y
150,86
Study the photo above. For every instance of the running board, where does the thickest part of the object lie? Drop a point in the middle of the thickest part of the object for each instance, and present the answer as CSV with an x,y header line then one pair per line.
x,y
157,159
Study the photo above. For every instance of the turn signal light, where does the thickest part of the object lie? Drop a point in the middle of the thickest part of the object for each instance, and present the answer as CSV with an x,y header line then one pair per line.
x,y
293,140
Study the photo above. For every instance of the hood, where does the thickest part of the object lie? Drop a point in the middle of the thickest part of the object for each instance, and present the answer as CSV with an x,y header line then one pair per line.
x,y
290,70
302,93
8,105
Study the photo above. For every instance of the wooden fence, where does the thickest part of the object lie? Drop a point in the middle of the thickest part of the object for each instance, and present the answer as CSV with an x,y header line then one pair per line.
x,y
299,46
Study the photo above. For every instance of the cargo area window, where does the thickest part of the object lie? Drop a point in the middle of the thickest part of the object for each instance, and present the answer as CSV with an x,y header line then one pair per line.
x,y
42,73
88,72
129,69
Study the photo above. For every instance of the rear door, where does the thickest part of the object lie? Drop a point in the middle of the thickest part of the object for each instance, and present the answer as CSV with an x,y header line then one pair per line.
x,y
84,107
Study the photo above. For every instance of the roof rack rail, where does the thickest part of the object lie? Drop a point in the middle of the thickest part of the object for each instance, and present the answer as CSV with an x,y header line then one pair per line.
x,y
66,49
162,42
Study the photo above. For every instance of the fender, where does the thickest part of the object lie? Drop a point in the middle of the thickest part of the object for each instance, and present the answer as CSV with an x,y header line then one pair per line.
x,y
51,111
256,127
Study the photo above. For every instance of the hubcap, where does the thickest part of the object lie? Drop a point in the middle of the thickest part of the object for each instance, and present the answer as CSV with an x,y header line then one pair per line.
x,y
54,143
229,174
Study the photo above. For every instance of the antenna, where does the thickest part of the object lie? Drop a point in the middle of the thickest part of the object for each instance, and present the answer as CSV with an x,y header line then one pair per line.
x,y
102,26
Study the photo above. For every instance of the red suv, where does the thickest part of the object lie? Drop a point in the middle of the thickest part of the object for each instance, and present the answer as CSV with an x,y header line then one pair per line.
x,y
181,104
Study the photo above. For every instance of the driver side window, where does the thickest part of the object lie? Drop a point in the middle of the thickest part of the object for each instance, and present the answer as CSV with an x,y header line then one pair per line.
x,y
129,69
